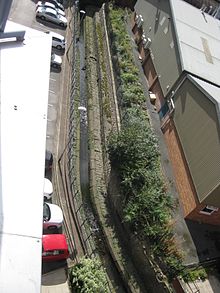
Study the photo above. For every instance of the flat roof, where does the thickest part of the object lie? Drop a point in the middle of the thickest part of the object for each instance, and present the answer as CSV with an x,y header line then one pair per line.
x,y
24,87
198,35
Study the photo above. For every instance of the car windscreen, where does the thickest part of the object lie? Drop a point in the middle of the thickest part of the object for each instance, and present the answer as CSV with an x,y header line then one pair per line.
x,y
46,213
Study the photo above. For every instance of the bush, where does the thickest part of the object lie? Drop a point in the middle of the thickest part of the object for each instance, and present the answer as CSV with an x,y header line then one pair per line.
x,y
134,153
88,276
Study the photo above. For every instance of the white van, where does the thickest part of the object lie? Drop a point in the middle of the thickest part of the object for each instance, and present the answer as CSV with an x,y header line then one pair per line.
x,y
58,41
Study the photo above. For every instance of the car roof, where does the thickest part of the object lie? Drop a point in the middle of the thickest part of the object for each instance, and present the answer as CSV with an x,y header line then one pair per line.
x,y
55,35
48,187
48,9
54,241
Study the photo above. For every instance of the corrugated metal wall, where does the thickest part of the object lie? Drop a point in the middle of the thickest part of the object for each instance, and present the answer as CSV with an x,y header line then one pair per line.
x,y
197,125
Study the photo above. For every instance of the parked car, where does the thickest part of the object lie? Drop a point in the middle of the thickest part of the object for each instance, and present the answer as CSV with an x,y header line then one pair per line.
x,y
58,41
52,216
50,5
50,14
54,247
55,61
57,3
48,160
48,189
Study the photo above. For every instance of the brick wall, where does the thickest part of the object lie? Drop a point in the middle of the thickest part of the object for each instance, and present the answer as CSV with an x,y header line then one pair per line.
x,y
213,219
183,179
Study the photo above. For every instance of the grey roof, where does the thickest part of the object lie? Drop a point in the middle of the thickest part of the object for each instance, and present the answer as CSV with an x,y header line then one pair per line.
x,y
198,36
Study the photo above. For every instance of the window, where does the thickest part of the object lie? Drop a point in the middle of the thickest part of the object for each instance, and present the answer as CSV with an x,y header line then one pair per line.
x,y
208,210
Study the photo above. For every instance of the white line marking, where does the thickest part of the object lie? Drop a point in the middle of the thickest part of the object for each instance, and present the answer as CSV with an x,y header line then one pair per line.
x,y
51,91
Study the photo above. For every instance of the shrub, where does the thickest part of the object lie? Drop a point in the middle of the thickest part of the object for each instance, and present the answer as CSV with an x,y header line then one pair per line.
x,y
88,276
134,153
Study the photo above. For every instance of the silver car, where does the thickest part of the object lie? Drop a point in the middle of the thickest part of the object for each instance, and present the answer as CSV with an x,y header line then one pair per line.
x,y
58,41
49,14
50,5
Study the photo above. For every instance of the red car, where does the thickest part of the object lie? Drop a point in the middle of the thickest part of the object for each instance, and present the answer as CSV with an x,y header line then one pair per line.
x,y
54,247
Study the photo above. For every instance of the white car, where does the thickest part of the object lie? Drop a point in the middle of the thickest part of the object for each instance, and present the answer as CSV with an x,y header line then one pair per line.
x,y
57,3
50,5
48,189
52,216
58,41
50,14
55,61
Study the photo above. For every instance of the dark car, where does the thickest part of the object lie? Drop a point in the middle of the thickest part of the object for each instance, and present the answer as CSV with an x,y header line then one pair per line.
x,y
48,160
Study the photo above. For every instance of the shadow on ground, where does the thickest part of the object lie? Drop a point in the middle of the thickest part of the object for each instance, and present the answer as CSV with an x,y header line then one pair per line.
x,y
53,273
206,239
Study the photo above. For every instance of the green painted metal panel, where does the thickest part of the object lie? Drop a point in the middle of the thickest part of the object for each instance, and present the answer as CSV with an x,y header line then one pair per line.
x,y
197,125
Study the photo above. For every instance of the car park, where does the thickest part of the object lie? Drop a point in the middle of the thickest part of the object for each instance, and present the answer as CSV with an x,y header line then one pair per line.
x,y
58,41
55,61
48,189
54,247
48,160
50,5
51,15
52,216
57,3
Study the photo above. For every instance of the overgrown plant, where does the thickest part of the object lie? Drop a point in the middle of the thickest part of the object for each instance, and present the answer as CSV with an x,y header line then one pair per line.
x,y
130,86
134,153
88,276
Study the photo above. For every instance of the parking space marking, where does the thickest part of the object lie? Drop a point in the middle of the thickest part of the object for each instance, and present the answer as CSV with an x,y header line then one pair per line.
x,y
37,26
53,79
52,92
50,105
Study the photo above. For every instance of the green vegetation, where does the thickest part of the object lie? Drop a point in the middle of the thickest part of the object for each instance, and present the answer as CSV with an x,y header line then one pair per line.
x,y
134,153
131,89
195,274
88,276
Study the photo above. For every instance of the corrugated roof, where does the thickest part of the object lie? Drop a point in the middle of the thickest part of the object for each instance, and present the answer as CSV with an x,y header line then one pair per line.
x,y
198,35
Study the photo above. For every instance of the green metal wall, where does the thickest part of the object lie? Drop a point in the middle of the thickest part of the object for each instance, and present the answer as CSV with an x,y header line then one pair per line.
x,y
158,26
197,125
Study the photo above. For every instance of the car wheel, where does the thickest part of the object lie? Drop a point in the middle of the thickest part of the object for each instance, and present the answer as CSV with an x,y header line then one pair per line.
x,y
62,24
42,17
59,47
